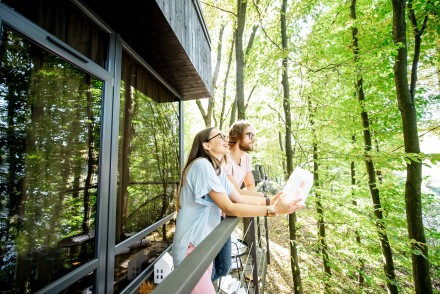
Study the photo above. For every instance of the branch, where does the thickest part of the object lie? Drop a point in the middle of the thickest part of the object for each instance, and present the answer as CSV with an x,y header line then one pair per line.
x,y
251,41
219,57
218,8
413,19
264,31
202,111
250,94
276,111
428,131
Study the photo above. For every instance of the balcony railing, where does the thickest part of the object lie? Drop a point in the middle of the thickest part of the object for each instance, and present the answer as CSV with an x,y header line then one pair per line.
x,y
185,276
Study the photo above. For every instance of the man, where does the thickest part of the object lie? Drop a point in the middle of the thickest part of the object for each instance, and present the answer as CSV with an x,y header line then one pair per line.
x,y
239,171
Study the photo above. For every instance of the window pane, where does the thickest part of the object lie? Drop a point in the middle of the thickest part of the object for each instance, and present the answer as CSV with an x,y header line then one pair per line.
x,y
49,135
148,165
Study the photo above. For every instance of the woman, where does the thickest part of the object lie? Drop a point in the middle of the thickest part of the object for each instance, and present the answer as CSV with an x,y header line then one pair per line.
x,y
204,192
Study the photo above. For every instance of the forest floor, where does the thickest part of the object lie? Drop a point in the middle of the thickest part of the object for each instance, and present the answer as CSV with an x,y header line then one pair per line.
x,y
278,275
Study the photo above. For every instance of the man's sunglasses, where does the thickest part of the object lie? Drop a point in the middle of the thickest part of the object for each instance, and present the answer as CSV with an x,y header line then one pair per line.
x,y
223,136
251,135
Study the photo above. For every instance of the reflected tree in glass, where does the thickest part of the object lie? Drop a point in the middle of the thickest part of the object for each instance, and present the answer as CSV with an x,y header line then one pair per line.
x,y
49,126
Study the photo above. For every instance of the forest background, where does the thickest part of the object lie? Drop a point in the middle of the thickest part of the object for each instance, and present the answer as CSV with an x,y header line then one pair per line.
x,y
350,91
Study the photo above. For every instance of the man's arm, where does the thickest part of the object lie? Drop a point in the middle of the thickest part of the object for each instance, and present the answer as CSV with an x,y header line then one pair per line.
x,y
244,191
249,181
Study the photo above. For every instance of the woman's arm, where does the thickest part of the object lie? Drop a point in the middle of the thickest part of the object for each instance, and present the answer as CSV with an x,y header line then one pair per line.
x,y
252,206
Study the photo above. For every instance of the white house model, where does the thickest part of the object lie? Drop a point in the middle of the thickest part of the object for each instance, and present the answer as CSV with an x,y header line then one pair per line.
x,y
163,267
135,264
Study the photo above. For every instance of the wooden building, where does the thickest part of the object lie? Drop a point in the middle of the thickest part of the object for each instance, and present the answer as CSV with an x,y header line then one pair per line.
x,y
91,132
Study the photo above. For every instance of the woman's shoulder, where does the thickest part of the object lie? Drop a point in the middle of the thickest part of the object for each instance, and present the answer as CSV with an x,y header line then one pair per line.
x,y
200,163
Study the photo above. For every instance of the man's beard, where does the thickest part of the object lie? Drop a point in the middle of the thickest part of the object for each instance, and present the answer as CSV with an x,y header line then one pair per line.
x,y
245,147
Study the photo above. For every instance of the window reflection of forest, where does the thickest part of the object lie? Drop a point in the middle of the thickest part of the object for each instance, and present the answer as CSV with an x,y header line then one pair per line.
x,y
148,167
49,125
50,115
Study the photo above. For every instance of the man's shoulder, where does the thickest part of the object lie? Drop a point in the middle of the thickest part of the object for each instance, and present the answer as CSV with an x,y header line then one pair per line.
x,y
246,158
246,155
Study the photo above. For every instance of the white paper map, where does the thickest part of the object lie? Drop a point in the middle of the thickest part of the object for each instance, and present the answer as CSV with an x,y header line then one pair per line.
x,y
298,186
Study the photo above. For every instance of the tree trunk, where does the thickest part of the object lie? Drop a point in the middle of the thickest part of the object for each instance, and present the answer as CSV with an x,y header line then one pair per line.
x,y
91,160
361,269
124,163
207,115
239,58
225,83
420,261
296,273
319,210
387,254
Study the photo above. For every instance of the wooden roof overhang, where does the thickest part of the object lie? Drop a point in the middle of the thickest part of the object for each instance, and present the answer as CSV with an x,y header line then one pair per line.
x,y
170,36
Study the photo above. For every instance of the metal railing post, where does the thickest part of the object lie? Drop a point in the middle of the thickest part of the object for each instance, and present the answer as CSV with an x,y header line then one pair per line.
x,y
267,241
254,255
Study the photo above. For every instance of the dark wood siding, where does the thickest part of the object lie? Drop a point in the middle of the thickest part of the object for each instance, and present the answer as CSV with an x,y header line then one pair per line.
x,y
168,34
186,21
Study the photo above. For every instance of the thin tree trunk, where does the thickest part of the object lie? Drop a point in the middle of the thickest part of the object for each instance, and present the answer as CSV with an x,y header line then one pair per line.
x,y
239,58
418,32
296,273
387,254
91,161
124,163
207,115
319,210
222,113
416,234
239,84
361,280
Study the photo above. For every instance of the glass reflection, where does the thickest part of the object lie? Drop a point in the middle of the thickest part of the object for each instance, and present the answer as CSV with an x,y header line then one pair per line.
x,y
49,147
148,168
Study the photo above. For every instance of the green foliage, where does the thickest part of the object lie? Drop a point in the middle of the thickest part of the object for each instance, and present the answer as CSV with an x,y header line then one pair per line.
x,y
326,112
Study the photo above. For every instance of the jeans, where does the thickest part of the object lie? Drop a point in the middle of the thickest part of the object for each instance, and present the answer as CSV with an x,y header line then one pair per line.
x,y
222,262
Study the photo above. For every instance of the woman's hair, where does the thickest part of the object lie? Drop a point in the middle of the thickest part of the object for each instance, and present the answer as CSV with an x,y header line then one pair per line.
x,y
236,131
197,151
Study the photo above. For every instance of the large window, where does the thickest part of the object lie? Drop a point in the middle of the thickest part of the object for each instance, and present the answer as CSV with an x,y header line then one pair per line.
x,y
49,147
148,167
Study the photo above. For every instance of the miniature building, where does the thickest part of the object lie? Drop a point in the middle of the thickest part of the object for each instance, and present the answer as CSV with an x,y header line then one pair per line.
x,y
163,267
135,265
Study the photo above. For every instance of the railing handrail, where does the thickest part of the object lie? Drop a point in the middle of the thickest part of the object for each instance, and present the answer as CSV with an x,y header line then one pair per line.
x,y
186,275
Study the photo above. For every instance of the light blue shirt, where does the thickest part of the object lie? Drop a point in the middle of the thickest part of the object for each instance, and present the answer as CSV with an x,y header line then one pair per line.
x,y
198,214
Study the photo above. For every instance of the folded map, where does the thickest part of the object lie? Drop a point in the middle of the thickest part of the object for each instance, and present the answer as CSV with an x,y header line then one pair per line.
x,y
298,186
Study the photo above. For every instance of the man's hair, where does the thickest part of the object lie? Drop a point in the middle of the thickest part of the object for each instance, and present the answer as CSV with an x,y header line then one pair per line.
x,y
236,131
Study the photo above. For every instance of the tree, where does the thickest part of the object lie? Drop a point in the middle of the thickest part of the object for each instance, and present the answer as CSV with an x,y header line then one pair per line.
x,y
405,99
296,273
207,115
239,58
369,164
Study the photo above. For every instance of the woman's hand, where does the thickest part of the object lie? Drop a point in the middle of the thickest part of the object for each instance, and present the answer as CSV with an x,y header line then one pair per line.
x,y
283,207
274,199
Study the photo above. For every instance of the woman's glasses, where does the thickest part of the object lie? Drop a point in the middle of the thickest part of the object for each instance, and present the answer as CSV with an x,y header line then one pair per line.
x,y
251,135
223,136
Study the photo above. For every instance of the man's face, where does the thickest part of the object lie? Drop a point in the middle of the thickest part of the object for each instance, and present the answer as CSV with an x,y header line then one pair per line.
x,y
246,143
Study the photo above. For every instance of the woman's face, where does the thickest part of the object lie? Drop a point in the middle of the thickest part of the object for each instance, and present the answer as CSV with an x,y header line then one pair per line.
x,y
217,143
